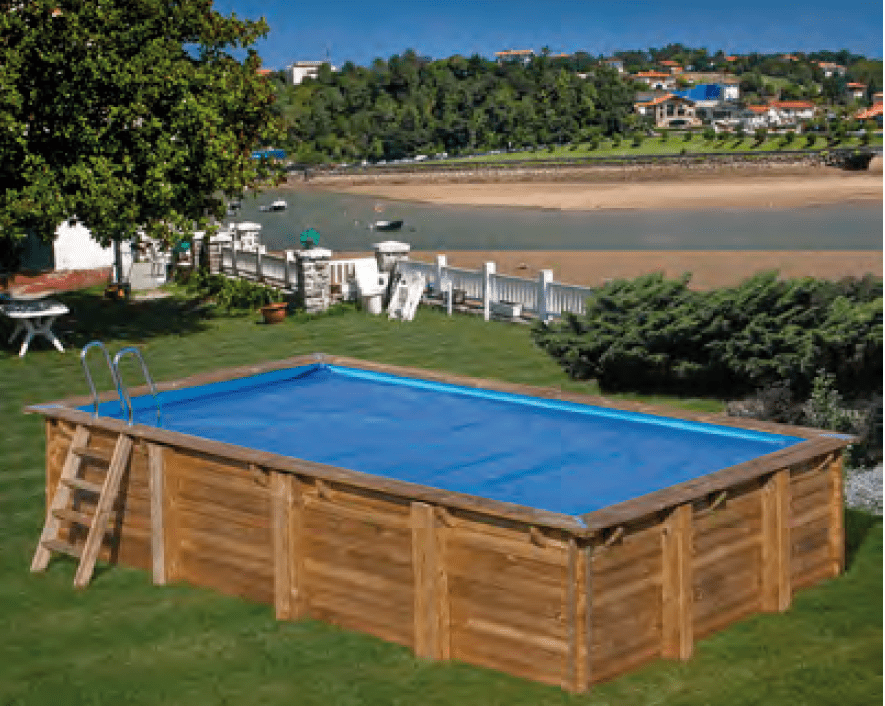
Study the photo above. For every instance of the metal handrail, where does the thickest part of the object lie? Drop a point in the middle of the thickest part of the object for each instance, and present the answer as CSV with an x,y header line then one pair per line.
x,y
124,394
91,383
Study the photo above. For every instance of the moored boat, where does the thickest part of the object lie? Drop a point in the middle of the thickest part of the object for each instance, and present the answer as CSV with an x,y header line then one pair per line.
x,y
387,225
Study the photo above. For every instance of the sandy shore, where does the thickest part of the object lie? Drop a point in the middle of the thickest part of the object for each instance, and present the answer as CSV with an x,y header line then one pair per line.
x,y
709,268
815,188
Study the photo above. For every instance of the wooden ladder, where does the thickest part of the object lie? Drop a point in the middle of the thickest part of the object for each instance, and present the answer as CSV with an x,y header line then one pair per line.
x,y
61,509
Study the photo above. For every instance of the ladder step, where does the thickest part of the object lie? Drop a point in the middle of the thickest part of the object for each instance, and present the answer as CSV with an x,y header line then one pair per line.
x,y
67,515
94,455
80,484
81,518
59,545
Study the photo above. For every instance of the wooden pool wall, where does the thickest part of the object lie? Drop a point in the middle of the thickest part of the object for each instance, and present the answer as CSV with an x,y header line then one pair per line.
x,y
451,576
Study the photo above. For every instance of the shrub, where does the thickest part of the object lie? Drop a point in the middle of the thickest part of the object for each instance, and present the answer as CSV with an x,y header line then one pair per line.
x,y
656,334
231,293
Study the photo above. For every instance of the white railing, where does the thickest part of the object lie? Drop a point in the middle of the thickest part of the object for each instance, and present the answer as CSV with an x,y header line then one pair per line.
x,y
515,290
567,298
541,297
470,282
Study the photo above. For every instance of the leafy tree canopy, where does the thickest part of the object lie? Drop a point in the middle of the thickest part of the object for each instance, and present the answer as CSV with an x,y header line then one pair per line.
x,y
126,114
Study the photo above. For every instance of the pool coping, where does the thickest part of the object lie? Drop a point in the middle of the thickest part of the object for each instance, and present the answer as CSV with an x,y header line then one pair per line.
x,y
816,442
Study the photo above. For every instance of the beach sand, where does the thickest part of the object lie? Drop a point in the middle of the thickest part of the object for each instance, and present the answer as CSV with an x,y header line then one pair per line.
x,y
709,268
813,187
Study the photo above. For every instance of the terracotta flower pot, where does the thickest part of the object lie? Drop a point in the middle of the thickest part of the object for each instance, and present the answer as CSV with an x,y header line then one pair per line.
x,y
274,313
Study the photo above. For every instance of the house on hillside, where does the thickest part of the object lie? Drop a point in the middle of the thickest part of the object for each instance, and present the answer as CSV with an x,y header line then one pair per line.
x,y
712,101
669,111
655,79
524,56
873,113
792,112
300,70
856,91
753,117
674,67
616,64
831,69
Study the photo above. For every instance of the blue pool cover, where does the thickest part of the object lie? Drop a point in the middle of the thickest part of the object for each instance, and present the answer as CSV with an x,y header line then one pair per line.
x,y
557,456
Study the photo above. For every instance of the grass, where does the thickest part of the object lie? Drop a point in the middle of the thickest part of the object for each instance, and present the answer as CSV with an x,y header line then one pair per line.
x,y
673,145
124,641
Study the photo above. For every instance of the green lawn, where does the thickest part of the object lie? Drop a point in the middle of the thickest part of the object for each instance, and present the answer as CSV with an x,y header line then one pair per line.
x,y
124,641
672,144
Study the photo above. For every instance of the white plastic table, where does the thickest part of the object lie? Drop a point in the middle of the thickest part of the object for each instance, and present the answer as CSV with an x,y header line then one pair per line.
x,y
33,318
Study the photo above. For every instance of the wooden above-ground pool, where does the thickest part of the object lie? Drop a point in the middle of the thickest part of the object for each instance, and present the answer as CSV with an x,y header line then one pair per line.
x,y
558,537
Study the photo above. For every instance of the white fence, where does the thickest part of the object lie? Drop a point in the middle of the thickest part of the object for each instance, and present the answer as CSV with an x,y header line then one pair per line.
x,y
542,297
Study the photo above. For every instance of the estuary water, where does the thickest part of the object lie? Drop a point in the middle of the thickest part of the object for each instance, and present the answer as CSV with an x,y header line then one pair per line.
x,y
343,222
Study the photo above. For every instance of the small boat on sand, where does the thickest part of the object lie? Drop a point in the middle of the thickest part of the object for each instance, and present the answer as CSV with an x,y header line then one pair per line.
x,y
387,225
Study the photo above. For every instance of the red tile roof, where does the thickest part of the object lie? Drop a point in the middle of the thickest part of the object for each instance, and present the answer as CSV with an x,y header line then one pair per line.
x,y
792,104
758,108
652,74
856,85
514,52
868,113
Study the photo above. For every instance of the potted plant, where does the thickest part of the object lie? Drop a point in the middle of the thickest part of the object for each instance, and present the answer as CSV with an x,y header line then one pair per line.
x,y
274,308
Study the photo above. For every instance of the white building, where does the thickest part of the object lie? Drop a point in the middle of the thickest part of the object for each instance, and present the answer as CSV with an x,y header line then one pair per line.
x,y
300,70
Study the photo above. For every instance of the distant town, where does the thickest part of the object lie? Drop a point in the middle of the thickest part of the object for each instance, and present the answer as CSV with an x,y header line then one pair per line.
x,y
410,103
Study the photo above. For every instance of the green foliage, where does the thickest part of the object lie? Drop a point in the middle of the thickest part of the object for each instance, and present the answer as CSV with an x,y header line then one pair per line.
x,y
232,293
653,333
709,134
409,104
126,115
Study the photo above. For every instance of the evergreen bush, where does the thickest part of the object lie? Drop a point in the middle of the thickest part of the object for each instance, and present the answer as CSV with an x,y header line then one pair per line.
x,y
657,334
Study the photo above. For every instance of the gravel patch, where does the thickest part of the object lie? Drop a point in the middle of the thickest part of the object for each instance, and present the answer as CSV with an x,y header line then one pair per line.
x,y
863,489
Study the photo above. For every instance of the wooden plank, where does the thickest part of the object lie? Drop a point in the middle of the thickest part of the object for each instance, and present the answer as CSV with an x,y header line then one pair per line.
x,y
677,639
577,617
424,567
617,594
725,615
525,663
775,568
281,503
837,516
726,551
619,664
512,543
299,596
728,584
157,508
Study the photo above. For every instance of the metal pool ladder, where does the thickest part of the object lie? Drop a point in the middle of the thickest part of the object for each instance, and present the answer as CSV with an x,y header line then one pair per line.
x,y
122,392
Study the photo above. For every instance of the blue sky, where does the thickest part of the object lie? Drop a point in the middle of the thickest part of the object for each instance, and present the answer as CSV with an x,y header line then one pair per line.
x,y
359,31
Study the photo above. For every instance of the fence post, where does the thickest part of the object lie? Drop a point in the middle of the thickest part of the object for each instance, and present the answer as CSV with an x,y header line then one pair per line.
x,y
545,278
441,264
288,256
258,258
233,260
488,272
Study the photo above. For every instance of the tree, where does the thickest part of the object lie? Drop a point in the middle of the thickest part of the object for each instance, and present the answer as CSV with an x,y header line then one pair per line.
x,y
126,115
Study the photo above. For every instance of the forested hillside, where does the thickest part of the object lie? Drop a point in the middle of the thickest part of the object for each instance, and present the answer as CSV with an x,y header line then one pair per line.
x,y
410,105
